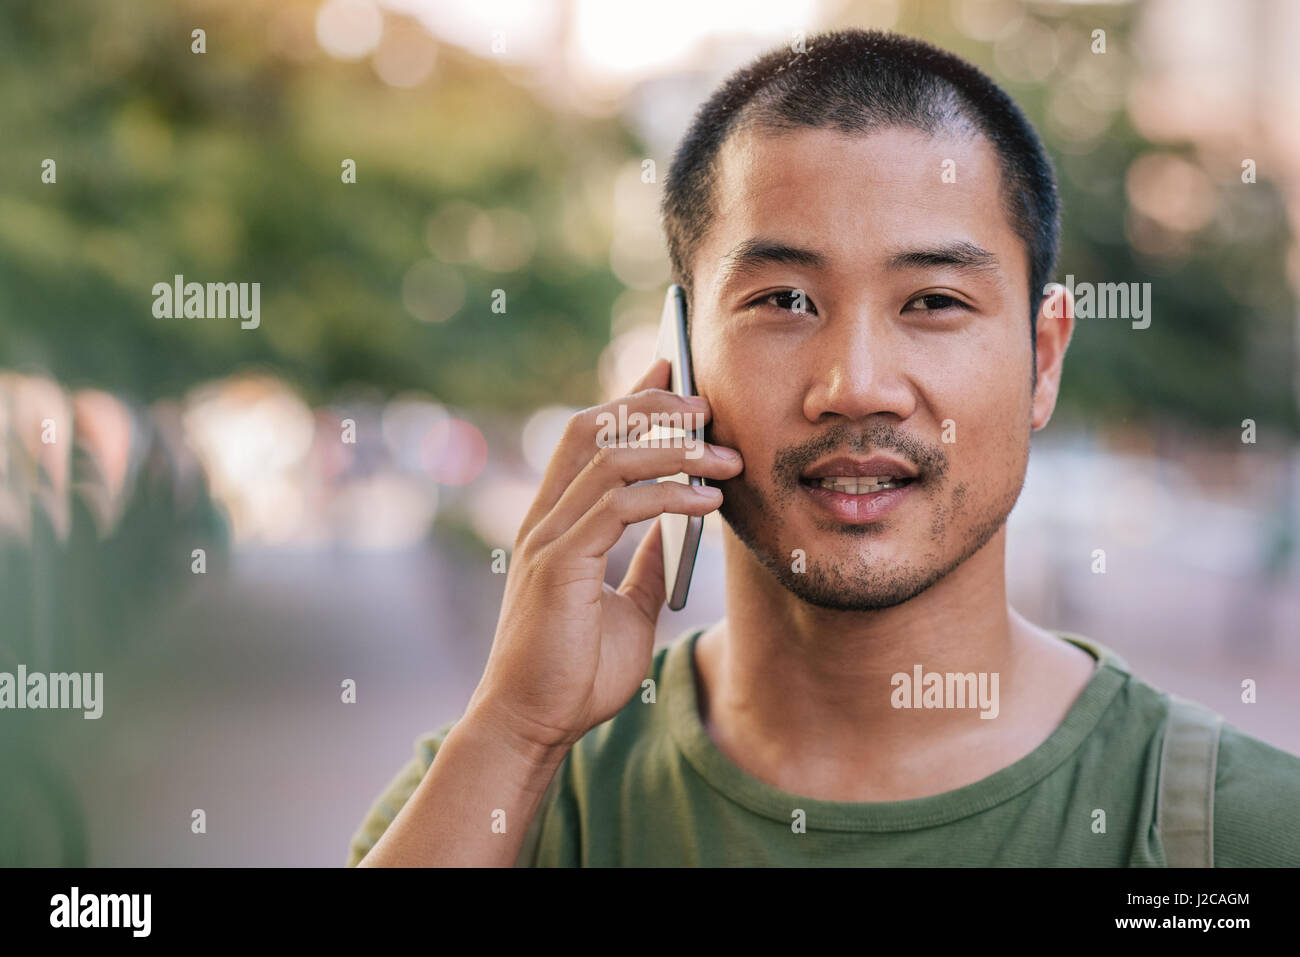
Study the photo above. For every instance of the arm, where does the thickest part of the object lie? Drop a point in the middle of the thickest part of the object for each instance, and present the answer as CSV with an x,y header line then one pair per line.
x,y
451,819
569,649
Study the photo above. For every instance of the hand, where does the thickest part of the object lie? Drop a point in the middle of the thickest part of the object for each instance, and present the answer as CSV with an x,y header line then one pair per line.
x,y
570,651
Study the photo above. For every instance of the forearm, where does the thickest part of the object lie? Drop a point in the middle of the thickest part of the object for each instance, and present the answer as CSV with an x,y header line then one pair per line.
x,y
481,781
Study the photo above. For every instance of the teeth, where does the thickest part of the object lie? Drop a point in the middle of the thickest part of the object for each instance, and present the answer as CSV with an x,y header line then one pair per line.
x,y
859,485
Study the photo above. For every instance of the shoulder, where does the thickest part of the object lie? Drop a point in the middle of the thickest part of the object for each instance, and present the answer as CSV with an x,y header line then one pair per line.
x,y
1256,803
1256,785
396,793
1132,709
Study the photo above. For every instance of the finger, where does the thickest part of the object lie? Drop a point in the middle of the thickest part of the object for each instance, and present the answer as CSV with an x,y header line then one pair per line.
x,y
598,531
644,582
658,376
611,467
579,442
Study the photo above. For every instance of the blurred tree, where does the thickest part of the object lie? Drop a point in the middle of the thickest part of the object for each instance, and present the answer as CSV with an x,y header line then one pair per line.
x,y
225,166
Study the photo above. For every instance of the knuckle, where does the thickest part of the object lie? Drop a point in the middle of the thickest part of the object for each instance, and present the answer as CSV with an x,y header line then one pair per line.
x,y
613,500
581,422
539,560
605,457
653,394
526,550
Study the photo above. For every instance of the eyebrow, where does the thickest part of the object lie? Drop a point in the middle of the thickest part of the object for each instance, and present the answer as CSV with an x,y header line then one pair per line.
x,y
753,254
961,255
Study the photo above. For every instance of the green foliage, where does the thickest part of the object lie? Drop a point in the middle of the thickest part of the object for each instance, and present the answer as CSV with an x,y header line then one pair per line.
x,y
225,167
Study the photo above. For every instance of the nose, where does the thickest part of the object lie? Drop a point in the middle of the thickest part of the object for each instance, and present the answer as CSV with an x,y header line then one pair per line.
x,y
859,369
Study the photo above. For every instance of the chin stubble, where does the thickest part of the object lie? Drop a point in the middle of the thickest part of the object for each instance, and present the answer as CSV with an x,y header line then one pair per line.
x,y
756,522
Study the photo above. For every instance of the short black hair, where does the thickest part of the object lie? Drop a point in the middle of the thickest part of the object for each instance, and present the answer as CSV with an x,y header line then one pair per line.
x,y
860,81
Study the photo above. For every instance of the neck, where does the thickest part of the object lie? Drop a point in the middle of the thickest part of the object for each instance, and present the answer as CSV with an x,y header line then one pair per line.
x,y
825,661
802,696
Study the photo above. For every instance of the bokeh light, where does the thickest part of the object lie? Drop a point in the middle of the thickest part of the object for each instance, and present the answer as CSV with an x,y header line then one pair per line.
x,y
348,29
432,291
454,451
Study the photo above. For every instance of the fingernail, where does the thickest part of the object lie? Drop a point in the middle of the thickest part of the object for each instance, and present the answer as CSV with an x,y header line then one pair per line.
x,y
725,452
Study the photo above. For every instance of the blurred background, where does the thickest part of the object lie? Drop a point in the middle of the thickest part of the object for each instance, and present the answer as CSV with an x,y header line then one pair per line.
x,y
349,467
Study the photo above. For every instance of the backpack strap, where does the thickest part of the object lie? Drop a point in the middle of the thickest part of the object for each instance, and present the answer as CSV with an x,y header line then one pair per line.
x,y
1185,801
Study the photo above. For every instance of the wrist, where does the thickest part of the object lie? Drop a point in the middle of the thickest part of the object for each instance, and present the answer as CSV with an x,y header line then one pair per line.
x,y
494,724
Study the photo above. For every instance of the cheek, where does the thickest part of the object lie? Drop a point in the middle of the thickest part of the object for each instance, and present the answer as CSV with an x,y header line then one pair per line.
x,y
992,376
742,414
981,409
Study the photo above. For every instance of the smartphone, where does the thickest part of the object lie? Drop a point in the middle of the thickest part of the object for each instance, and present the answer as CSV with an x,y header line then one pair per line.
x,y
680,533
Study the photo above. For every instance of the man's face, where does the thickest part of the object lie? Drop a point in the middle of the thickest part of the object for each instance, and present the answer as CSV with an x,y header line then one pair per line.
x,y
912,356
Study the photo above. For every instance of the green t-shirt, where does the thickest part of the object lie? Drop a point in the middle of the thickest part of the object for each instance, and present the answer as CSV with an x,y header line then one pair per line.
x,y
649,788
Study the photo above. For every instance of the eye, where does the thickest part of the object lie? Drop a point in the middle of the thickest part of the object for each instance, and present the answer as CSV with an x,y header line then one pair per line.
x,y
935,302
787,300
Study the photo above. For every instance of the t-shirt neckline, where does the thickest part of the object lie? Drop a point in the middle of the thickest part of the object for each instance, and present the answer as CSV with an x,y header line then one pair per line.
x,y
749,792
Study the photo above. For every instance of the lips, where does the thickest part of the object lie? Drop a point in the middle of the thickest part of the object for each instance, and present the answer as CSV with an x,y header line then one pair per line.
x,y
858,491
878,466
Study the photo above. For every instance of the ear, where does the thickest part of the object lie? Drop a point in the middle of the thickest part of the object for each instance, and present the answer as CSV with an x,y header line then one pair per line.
x,y
1055,326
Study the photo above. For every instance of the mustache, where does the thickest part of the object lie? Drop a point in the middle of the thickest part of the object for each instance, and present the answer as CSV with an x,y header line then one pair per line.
x,y
929,459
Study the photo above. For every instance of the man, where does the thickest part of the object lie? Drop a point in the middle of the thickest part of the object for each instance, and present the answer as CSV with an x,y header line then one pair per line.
x,y
865,231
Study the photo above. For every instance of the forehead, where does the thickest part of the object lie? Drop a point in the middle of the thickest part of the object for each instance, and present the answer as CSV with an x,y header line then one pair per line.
x,y
858,197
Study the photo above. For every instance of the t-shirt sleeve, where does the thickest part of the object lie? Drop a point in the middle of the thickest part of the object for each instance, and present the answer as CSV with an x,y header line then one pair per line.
x,y
398,791
1256,803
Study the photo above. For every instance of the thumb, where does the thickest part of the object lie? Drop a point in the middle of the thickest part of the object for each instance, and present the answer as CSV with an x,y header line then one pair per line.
x,y
644,581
